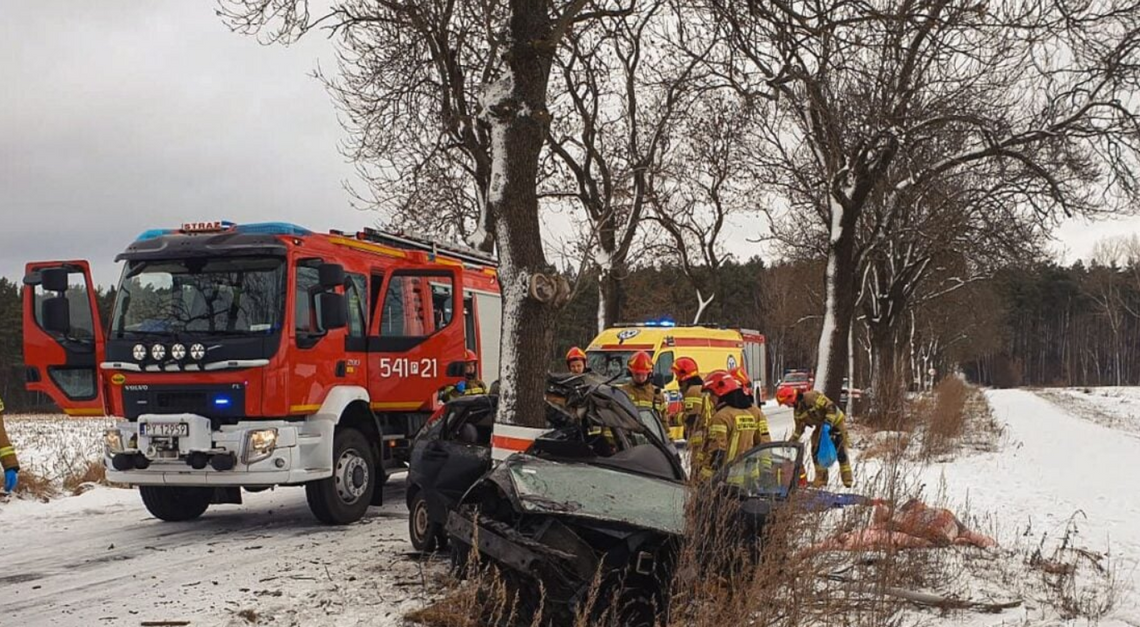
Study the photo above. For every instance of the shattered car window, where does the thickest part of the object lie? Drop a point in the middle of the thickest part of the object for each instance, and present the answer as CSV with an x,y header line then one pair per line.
x,y
546,487
765,471
610,364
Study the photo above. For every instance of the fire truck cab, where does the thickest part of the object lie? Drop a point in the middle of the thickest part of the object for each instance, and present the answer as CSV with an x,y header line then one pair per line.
x,y
257,355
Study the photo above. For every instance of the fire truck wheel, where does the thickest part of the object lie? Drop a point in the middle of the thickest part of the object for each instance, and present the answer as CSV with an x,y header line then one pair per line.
x,y
344,497
176,503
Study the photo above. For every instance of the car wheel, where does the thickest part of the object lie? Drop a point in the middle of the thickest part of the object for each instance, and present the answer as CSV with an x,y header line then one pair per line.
x,y
423,533
344,497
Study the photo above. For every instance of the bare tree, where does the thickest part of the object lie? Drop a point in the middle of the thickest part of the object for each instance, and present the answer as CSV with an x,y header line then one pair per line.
x,y
870,99
624,90
467,76
706,183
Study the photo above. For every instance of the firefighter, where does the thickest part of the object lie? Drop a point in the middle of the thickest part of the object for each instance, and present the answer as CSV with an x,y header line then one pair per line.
x,y
762,434
813,409
8,456
640,389
576,360
692,390
698,459
732,430
470,385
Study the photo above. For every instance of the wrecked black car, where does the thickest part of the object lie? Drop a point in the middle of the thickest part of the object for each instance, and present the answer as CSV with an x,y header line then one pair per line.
x,y
450,454
453,450
602,499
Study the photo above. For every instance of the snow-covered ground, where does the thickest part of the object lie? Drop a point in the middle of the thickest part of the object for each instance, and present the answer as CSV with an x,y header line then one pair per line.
x,y
101,559
1053,468
1114,407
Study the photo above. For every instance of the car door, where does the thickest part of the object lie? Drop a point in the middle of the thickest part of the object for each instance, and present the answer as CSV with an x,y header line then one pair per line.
x,y
450,465
763,477
63,336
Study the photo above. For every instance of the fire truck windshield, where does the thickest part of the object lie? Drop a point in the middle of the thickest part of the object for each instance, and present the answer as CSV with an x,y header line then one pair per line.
x,y
221,296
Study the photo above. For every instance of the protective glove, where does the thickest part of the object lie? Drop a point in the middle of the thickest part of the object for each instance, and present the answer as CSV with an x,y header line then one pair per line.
x,y
10,480
461,387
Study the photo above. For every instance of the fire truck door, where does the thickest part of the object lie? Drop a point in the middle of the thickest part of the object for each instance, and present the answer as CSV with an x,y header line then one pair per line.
x,y
419,330
63,336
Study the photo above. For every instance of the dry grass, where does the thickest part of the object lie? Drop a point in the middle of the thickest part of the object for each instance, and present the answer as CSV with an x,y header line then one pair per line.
x,y
35,485
944,416
84,478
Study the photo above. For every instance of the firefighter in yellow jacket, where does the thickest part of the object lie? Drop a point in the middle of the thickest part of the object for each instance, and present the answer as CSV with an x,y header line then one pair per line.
x,y
732,430
813,409
693,395
7,456
470,385
763,435
697,435
640,389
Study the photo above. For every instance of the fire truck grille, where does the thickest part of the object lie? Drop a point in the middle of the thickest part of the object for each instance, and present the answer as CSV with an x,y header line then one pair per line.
x,y
180,401
211,401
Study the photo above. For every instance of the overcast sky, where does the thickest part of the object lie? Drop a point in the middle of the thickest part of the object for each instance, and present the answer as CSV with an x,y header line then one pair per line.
x,y
119,116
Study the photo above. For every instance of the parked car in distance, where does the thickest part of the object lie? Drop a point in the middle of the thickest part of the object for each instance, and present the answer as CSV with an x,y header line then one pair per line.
x,y
801,380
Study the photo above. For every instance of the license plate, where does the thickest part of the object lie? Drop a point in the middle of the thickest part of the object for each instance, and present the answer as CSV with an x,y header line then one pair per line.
x,y
165,429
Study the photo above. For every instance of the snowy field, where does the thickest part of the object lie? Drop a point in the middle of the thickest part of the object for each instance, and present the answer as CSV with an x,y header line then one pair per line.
x,y
1117,408
55,446
100,559
1055,469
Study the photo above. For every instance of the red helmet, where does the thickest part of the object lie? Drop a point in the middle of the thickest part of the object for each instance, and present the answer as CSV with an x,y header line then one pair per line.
x,y
723,385
469,356
712,377
786,396
685,368
641,363
575,353
745,382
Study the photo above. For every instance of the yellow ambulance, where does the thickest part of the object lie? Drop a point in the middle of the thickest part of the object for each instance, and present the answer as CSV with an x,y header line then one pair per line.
x,y
713,348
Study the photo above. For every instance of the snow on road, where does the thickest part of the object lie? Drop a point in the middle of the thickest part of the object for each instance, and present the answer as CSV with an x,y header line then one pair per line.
x,y
1055,466
101,559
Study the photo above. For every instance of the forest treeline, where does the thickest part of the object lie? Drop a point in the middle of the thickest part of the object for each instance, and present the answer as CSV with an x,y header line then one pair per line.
x,y
1039,324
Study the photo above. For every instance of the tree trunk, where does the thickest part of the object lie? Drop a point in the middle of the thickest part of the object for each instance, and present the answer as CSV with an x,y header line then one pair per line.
x,y
839,307
610,294
531,298
886,378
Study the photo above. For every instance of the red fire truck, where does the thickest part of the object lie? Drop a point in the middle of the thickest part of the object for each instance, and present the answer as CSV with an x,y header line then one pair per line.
x,y
257,355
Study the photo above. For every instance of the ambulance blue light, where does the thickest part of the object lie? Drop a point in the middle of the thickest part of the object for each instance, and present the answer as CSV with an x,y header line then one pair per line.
x,y
221,401
273,228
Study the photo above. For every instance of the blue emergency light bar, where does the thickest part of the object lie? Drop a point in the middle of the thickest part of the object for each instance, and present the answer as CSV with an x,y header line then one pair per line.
x,y
220,226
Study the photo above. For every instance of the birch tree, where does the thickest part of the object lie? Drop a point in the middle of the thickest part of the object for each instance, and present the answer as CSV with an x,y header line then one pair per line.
x,y
444,75
871,98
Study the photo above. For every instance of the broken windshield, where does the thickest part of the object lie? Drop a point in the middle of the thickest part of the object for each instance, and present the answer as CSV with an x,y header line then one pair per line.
x,y
546,487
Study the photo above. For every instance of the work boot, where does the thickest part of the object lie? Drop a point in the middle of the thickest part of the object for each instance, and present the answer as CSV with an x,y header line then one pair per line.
x,y
820,480
846,474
